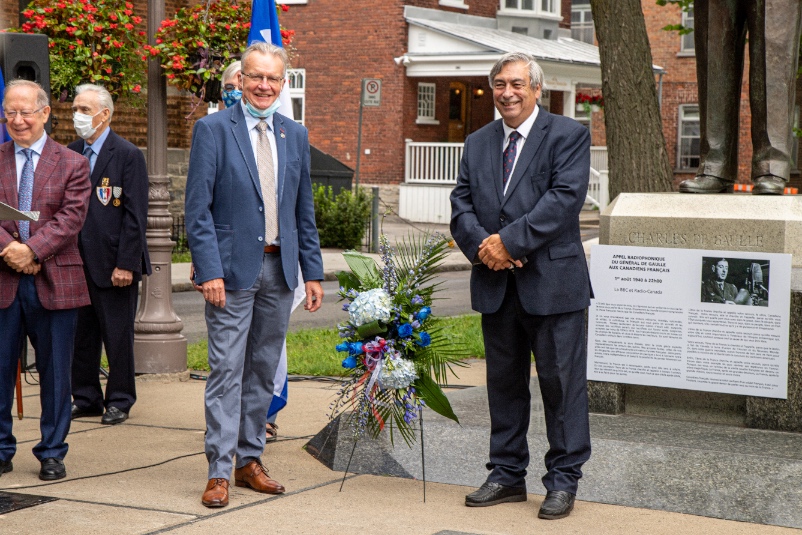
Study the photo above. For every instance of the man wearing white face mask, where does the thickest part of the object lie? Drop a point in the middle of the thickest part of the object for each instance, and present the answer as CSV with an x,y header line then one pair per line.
x,y
115,254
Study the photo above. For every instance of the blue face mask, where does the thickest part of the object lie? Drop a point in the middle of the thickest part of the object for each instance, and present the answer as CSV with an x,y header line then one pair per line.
x,y
263,114
231,97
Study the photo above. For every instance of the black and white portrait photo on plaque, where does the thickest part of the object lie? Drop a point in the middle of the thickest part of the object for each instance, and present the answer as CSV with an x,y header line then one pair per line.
x,y
735,281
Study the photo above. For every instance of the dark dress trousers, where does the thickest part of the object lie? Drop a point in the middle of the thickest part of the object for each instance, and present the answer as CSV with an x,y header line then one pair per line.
x,y
112,237
540,307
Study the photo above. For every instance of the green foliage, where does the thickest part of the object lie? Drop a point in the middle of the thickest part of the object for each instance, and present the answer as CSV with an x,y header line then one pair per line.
x,y
341,219
98,42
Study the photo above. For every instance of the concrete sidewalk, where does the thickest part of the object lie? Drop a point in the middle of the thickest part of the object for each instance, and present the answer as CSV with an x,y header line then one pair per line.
x,y
147,476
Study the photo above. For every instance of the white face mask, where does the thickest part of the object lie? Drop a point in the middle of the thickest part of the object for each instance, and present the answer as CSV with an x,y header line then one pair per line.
x,y
83,124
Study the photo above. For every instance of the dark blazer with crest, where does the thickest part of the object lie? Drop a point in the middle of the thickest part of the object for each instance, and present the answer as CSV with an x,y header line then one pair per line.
x,y
60,192
114,236
538,218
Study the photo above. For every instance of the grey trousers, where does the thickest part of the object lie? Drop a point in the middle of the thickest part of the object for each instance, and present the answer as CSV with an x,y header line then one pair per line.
x,y
245,341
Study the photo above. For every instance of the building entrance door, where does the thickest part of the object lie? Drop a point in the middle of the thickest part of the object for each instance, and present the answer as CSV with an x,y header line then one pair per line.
x,y
457,112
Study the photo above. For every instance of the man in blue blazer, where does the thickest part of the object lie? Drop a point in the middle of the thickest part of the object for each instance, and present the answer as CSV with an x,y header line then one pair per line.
x,y
114,249
515,215
250,224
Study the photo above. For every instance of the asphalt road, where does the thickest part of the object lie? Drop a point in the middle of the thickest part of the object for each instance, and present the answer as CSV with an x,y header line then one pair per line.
x,y
452,300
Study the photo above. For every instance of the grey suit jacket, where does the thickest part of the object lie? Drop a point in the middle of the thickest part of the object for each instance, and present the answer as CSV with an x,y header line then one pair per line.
x,y
224,208
538,218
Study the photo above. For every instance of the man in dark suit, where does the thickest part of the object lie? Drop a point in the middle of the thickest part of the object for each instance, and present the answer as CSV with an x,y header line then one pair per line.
x,y
250,221
515,214
41,275
115,253
716,289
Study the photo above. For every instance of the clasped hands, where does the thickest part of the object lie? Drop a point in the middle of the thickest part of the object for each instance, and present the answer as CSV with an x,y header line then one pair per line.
x,y
494,254
20,258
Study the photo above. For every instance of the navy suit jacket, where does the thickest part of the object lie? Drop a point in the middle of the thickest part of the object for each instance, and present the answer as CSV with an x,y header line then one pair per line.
x,y
224,207
114,236
537,219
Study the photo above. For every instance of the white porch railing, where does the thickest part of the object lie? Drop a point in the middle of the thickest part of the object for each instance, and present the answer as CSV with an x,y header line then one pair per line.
x,y
437,164
432,163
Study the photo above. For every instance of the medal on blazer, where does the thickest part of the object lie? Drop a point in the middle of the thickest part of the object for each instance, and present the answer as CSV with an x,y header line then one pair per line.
x,y
104,192
117,191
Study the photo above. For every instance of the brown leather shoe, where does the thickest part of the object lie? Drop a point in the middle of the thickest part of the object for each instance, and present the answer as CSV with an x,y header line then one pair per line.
x,y
216,494
253,475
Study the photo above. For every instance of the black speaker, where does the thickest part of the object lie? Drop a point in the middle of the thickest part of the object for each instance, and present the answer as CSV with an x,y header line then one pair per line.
x,y
25,56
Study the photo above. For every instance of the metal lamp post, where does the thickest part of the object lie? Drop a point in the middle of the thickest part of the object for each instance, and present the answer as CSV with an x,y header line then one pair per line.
x,y
159,346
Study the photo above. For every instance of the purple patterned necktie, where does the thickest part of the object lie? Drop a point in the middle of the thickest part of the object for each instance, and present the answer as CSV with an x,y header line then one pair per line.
x,y
26,193
509,155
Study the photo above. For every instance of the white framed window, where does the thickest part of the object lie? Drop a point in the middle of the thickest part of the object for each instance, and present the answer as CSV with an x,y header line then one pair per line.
x,y
688,133
581,21
687,45
426,100
297,87
459,4
551,8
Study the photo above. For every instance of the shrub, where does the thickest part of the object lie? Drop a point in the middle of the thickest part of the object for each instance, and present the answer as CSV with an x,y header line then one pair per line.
x,y
341,219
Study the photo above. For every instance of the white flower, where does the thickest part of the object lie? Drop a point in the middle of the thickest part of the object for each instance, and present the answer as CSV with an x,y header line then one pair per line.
x,y
369,306
398,373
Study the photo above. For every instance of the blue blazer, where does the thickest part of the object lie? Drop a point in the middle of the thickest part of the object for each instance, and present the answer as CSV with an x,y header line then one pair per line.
x,y
537,219
224,209
115,236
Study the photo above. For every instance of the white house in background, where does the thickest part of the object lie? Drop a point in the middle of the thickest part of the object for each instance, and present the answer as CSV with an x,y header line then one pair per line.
x,y
449,56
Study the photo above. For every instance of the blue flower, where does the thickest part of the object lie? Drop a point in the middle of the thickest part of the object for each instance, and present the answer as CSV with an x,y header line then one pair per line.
x,y
424,340
417,300
345,306
415,324
355,348
349,362
342,346
405,330
423,313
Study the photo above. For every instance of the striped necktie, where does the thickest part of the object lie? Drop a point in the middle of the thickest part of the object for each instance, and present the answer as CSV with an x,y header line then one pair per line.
x,y
509,155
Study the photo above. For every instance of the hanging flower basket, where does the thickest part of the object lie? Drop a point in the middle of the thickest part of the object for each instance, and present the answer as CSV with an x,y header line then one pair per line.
x,y
196,44
90,41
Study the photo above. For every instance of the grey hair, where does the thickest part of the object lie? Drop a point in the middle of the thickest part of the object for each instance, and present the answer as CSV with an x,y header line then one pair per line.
x,y
231,70
41,94
536,75
103,96
269,49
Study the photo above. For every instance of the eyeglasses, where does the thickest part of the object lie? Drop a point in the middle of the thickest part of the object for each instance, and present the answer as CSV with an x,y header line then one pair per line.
x,y
25,114
259,78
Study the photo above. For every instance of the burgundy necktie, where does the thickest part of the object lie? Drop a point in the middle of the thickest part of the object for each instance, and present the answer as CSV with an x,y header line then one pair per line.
x,y
509,155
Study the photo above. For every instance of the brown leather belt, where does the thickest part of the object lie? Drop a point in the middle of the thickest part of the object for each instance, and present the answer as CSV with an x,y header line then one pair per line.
x,y
272,249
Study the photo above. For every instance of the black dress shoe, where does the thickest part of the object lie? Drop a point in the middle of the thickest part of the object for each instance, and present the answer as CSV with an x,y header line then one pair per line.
x,y
492,493
558,504
705,184
113,416
52,469
768,185
6,466
78,412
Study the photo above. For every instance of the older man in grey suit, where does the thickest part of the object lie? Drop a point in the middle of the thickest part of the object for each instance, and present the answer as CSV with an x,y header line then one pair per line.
x,y
515,214
250,224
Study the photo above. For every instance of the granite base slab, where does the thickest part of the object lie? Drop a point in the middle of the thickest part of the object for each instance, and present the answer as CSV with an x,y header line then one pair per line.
x,y
696,468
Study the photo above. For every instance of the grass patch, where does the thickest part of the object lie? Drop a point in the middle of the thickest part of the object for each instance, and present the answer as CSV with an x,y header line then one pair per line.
x,y
182,258
311,351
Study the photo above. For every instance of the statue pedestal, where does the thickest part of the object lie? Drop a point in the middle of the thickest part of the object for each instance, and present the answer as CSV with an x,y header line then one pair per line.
x,y
725,222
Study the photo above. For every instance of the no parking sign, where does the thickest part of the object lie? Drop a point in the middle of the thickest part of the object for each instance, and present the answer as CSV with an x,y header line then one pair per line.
x,y
371,91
